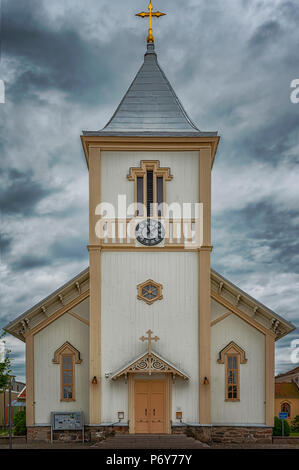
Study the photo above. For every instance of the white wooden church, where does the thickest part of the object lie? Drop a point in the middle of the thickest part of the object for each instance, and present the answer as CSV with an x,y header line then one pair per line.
x,y
149,339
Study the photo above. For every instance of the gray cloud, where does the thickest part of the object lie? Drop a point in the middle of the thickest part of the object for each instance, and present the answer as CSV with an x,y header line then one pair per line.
x,y
29,262
21,193
267,33
69,249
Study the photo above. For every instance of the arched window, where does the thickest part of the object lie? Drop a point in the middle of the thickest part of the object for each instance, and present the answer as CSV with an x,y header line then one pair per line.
x,y
232,356
67,356
286,408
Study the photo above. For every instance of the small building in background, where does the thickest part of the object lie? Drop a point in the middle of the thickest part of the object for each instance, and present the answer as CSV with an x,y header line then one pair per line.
x,y
17,404
287,393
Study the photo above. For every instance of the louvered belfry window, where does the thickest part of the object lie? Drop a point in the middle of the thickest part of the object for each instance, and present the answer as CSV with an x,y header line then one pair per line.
x,y
150,187
149,193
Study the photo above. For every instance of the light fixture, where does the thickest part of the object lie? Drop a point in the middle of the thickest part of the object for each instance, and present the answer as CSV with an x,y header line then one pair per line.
x,y
94,380
120,415
179,415
206,381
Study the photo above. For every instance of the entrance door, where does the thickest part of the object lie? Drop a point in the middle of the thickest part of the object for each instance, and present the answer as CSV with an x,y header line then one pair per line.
x,y
150,407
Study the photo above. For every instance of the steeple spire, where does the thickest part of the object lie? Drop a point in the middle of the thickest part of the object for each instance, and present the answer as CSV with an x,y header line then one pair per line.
x,y
150,107
150,14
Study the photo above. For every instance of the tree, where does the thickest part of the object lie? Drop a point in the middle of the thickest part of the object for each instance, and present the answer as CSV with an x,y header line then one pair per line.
x,y
20,423
5,363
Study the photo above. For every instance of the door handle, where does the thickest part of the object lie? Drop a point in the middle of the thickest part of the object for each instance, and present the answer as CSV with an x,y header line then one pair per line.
x,y
145,411
154,412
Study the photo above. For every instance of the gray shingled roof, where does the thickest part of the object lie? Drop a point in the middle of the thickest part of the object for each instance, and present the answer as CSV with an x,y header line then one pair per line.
x,y
150,107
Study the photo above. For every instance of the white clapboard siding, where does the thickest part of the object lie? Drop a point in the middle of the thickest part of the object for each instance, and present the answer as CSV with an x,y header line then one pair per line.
x,y
174,319
217,310
47,374
251,407
82,309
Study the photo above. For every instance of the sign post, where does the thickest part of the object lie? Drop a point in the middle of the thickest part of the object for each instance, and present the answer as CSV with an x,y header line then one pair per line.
x,y
283,415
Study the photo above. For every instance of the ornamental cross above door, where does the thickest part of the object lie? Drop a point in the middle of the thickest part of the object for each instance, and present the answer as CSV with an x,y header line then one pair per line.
x,y
149,338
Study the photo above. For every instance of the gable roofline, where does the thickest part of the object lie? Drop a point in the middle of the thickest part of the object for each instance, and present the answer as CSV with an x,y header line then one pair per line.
x,y
80,284
75,284
256,307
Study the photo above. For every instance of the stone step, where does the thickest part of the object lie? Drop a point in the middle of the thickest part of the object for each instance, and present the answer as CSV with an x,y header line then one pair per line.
x,y
150,441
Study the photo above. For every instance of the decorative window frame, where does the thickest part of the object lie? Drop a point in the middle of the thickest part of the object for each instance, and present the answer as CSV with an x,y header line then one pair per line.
x,y
232,350
67,350
141,172
158,286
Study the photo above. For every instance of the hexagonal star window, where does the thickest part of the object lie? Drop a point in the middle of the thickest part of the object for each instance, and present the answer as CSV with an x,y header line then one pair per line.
x,y
149,291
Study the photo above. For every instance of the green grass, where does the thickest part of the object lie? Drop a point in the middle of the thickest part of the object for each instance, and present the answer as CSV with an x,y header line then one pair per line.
x,y
3,432
295,434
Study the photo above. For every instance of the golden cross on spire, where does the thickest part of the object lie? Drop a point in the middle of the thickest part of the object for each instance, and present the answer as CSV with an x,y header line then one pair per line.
x,y
150,14
149,338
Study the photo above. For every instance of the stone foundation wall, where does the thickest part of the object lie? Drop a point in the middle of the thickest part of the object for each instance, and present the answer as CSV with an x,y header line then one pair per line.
x,y
97,433
221,434
43,433
91,434
227,434
238,435
39,433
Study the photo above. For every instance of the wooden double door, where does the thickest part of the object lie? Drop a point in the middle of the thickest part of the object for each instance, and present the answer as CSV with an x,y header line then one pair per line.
x,y
150,407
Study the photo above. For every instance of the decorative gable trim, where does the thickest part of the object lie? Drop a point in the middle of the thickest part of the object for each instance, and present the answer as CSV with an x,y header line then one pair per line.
x,y
66,348
148,364
232,348
240,302
77,289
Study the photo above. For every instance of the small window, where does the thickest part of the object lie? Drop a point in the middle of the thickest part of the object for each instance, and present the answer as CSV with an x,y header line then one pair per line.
x,y
286,408
150,291
232,377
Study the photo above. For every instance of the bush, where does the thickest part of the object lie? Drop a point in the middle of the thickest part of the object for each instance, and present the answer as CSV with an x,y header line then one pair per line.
x,y
295,424
277,430
20,423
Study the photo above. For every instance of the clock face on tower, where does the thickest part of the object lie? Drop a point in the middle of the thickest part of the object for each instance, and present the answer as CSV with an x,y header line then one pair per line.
x,y
149,232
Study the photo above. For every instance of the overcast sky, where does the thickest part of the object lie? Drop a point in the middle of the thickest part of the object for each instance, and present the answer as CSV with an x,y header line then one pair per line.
x,y
66,65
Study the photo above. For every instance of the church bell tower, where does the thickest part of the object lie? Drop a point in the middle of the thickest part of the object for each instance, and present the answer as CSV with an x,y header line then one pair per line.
x,y
149,247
